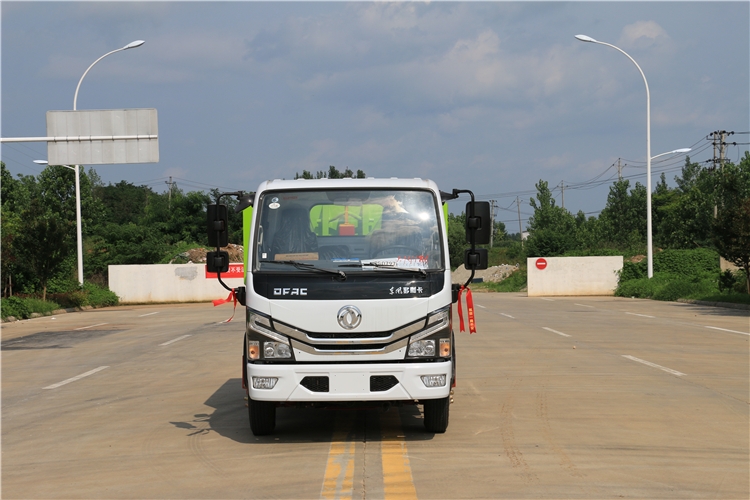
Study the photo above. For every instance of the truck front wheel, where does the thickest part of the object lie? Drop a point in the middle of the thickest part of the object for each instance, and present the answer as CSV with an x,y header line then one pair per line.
x,y
436,412
262,416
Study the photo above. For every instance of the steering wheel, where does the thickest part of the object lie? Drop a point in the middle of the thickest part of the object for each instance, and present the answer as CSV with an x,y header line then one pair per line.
x,y
397,251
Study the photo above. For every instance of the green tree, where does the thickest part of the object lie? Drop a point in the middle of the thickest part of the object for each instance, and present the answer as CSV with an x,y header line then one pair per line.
x,y
731,228
499,232
456,239
47,238
685,217
623,220
10,222
589,232
332,173
552,229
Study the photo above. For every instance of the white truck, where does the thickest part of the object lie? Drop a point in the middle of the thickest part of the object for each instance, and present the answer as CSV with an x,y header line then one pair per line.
x,y
348,293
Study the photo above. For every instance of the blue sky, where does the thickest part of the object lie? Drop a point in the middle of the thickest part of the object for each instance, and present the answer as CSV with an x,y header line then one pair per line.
x,y
487,96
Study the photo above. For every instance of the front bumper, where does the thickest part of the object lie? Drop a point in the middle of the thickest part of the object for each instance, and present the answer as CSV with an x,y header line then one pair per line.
x,y
349,382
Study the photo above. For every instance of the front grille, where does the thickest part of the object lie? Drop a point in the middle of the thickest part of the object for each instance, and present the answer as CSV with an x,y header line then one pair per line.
x,y
381,383
315,384
348,335
349,347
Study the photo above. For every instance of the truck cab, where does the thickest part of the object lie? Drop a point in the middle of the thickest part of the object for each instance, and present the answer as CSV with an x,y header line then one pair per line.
x,y
348,298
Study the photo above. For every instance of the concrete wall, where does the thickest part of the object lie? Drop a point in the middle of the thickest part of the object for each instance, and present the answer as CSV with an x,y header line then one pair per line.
x,y
573,276
167,283
724,264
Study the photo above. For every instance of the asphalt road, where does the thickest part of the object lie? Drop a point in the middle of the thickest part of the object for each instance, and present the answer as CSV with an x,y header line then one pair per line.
x,y
594,397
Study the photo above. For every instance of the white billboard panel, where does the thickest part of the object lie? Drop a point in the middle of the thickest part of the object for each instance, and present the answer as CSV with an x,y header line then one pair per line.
x,y
102,136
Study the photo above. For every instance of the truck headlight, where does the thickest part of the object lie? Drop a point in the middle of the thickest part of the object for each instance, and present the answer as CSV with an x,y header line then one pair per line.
x,y
276,350
422,348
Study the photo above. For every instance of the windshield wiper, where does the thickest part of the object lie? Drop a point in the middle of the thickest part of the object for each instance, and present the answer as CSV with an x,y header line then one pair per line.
x,y
304,266
387,266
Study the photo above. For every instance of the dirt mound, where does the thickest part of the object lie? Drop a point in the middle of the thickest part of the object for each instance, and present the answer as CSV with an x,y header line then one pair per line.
x,y
495,273
198,255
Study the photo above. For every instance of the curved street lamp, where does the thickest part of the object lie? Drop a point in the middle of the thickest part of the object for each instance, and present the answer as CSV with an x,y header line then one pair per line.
x,y
673,152
649,240
76,168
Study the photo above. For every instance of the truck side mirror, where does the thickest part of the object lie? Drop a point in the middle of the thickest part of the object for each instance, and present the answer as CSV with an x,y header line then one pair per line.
x,y
217,262
478,221
218,235
475,259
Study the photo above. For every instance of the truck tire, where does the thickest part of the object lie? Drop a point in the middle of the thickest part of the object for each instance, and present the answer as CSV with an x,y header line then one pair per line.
x,y
436,413
262,416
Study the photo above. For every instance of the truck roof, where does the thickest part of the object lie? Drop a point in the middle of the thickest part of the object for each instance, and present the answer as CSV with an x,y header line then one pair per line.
x,y
371,182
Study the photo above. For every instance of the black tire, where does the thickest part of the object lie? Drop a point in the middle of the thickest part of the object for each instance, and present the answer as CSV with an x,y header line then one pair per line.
x,y
436,413
262,416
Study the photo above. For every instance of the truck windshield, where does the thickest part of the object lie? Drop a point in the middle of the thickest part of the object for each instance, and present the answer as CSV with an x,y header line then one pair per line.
x,y
352,230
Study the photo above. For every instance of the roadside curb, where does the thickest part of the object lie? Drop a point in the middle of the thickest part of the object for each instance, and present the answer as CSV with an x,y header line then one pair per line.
x,y
729,305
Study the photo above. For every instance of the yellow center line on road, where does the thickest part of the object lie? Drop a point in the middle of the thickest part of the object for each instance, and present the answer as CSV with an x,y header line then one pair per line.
x,y
339,476
397,478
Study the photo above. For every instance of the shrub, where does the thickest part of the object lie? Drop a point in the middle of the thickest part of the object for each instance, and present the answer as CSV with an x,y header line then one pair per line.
x,y
99,296
727,281
24,307
75,298
14,306
90,295
685,289
686,262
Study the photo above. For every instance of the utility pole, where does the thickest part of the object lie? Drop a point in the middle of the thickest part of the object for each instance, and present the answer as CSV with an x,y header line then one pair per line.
x,y
562,191
619,170
520,231
170,183
492,226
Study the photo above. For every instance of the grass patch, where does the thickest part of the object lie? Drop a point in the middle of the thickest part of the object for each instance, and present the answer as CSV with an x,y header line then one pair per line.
x,y
513,283
732,297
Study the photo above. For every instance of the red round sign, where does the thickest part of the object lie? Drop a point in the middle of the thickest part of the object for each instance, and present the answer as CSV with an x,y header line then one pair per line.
x,y
541,263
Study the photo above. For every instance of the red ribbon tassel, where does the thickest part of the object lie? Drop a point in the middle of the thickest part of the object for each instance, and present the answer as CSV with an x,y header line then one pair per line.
x,y
230,297
470,308
460,311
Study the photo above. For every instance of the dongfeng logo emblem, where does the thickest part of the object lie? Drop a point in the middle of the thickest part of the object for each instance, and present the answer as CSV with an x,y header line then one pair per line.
x,y
349,317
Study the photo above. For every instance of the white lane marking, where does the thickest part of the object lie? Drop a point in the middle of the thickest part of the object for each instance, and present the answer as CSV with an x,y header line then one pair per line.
x,y
555,331
583,305
77,377
507,315
91,326
175,340
548,300
725,330
641,315
668,370
481,306
149,314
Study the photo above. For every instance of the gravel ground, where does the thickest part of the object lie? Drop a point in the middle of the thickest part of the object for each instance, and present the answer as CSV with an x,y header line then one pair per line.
x,y
495,273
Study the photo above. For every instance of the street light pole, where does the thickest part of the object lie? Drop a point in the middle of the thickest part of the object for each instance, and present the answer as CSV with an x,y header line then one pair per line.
x,y
649,240
76,168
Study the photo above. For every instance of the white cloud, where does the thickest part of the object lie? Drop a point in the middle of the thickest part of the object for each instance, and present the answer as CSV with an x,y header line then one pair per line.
x,y
643,34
